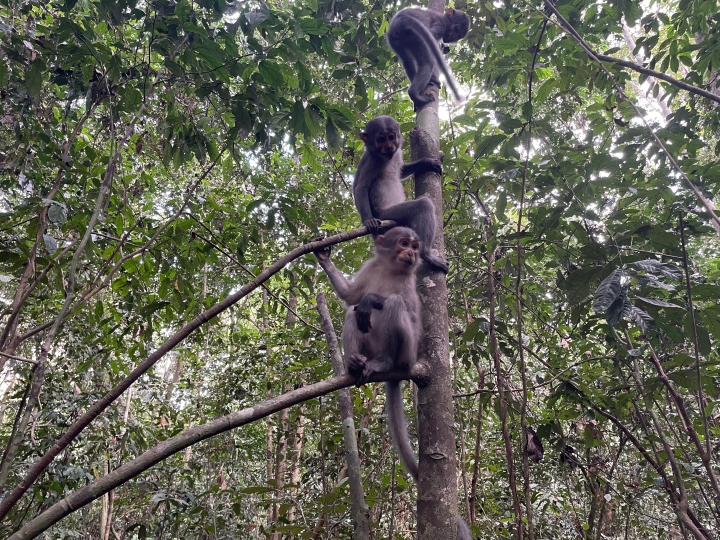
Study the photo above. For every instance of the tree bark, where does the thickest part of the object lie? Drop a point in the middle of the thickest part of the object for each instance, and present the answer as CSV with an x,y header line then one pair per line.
x,y
437,484
358,507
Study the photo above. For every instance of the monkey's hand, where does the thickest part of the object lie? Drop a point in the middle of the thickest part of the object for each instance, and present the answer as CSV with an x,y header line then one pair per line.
x,y
364,309
356,365
435,165
373,225
323,254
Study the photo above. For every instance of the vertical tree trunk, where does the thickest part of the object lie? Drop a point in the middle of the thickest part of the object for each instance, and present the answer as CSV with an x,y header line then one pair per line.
x,y
281,453
295,447
358,507
280,465
437,485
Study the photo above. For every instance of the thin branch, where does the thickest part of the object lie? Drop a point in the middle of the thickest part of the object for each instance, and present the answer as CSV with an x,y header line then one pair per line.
x,y
696,346
659,75
420,373
99,406
234,259
19,358
568,28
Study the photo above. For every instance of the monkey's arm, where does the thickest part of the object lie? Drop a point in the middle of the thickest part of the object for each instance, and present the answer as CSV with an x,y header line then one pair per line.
x,y
421,166
341,285
364,309
362,202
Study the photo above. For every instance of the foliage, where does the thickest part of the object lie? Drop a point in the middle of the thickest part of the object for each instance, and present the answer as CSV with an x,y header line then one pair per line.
x,y
225,136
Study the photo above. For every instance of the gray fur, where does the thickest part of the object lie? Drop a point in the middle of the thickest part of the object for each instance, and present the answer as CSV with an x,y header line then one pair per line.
x,y
394,333
378,189
413,35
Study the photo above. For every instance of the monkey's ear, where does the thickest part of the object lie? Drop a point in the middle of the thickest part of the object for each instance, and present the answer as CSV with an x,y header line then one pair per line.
x,y
379,239
363,136
450,12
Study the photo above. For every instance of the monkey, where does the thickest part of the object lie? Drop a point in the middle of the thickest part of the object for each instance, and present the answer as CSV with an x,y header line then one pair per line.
x,y
382,326
414,35
534,448
378,189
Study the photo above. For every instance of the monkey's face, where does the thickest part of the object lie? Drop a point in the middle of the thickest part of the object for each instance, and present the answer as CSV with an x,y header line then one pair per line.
x,y
453,33
407,250
387,142
457,26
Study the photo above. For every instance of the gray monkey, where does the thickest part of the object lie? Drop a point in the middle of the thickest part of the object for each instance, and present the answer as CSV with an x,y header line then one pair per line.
x,y
382,326
378,188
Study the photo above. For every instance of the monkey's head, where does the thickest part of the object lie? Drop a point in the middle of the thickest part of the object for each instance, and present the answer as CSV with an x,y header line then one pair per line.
x,y
382,137
400,246
457,25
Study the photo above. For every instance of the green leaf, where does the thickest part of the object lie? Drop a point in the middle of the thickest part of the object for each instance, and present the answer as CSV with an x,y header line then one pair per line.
x,y
577,284
57,213
272,74
659,303
487,144
4,74
34,78
50,243
333,136
609,290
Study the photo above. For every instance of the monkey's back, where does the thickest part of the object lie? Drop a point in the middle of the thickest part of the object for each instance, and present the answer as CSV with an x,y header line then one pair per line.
x,y
407,18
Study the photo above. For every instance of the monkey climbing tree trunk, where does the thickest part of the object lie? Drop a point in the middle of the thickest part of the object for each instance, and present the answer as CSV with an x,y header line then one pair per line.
x,y
437,485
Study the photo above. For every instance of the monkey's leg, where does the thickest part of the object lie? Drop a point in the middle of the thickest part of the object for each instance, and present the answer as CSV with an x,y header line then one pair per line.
x,y
393,338
354,345
419,215
419,65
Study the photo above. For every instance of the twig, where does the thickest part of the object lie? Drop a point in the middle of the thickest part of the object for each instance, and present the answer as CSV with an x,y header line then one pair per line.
x,y
20,358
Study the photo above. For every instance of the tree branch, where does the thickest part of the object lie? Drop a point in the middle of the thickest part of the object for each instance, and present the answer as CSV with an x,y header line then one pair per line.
x,y
659,75
568,28
99,406
420,372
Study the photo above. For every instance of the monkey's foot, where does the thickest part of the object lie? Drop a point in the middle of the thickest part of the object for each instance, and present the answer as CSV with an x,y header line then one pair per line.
x,y
436,263
417,107
356,366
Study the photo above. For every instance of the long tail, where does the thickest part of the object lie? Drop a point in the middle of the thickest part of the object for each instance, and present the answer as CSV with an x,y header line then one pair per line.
x,y
398,428
422,31
401,440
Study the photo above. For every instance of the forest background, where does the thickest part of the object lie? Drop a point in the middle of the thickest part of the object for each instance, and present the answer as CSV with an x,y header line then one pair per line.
x,y
156,156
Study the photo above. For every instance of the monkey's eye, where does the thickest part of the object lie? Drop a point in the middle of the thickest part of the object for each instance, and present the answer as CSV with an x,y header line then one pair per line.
x,y
415,247
391,137
381,140
404,243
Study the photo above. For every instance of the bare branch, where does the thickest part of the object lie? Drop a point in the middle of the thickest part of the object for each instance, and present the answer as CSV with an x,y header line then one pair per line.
x,y
99,406
165,449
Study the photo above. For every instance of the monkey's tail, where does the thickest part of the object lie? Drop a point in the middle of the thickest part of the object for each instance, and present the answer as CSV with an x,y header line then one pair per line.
x,y
422,31
398,428
401,440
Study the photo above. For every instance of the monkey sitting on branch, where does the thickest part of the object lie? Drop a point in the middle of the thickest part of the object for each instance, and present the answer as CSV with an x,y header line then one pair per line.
x,y
379,192
382,326
414,35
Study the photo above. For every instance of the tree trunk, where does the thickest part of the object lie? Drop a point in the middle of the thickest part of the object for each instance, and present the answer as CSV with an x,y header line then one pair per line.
x,y
280,465
437,485
358,507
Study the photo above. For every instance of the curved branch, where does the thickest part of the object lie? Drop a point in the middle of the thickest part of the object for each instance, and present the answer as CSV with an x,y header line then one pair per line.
x,y
568,28
659,75
420,373
103,403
